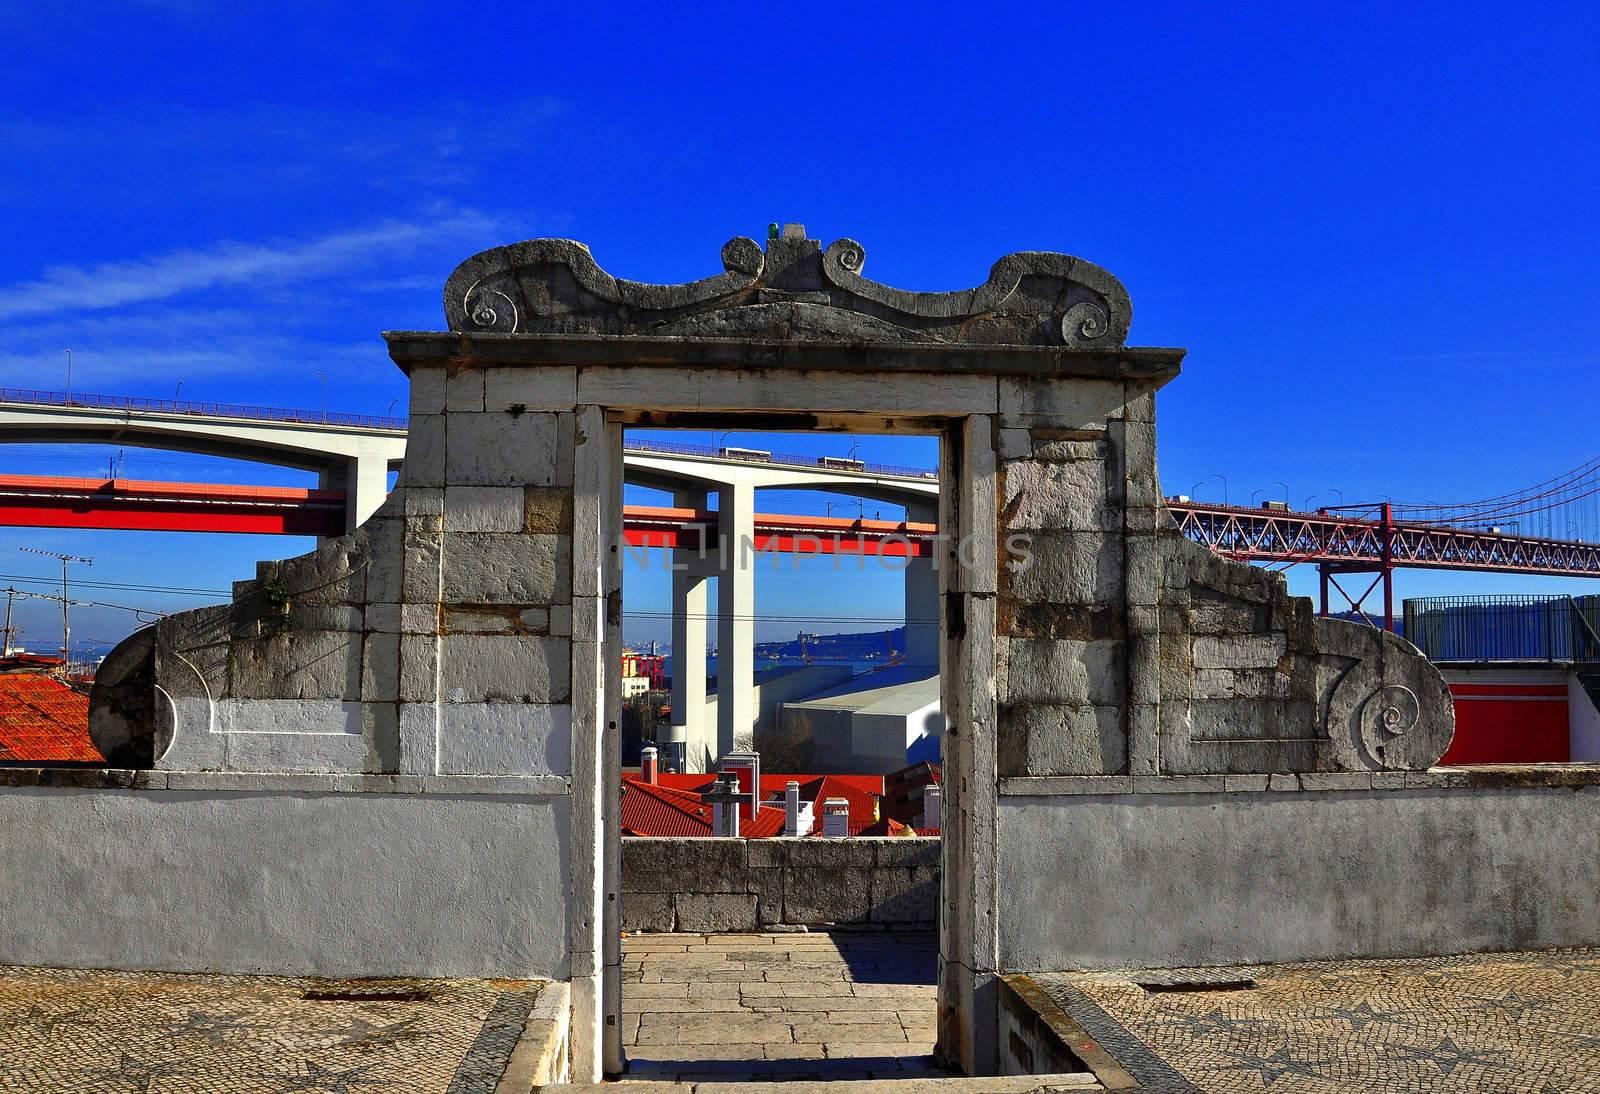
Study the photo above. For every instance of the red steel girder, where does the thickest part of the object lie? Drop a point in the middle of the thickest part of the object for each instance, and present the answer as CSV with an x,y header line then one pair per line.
x,y
1267,535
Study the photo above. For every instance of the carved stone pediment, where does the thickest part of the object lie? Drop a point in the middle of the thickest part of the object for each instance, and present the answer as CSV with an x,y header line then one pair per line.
x,y
793,290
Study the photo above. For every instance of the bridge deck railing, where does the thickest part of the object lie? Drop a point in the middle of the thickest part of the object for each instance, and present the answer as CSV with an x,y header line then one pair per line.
x,y
674,448
30,397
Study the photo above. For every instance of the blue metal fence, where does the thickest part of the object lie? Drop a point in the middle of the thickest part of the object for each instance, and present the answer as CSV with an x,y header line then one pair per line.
x,y
1505,628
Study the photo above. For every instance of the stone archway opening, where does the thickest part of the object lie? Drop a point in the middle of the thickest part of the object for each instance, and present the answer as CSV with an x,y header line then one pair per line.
x,y
807,944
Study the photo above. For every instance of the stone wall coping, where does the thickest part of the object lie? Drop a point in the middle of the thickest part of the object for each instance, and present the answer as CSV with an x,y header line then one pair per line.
x,y
412,348
97,778
1478,777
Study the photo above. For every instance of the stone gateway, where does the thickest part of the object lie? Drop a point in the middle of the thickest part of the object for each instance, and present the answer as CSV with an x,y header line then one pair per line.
x,y
421,717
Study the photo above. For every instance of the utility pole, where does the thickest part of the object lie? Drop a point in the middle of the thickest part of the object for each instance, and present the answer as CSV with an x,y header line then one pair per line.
x,y
9,630
66,622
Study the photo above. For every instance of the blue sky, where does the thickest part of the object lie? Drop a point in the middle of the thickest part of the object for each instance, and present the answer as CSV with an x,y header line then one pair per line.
x,y
1372,228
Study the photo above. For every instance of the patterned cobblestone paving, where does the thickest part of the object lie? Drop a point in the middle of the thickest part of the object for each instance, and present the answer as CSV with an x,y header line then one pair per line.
x,y
155,1033
1499,1023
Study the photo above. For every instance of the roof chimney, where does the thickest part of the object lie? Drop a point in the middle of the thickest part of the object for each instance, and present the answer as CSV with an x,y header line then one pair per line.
x,y
724,798
835,818
648,764
746,766
791,809
932,806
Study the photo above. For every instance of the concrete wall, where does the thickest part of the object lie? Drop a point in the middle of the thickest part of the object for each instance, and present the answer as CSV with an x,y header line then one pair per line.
x,y
277,877
744,885
1583,723
1175,878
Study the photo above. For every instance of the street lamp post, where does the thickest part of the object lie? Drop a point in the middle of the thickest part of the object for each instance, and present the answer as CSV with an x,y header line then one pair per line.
x,y
324,376
1224,479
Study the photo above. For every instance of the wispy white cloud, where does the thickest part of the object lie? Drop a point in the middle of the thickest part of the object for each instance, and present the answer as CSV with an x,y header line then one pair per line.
x,y
107,285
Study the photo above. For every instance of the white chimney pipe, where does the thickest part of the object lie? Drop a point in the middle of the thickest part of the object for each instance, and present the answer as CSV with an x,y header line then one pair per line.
x,y
791,809
648,764
836,818
932,806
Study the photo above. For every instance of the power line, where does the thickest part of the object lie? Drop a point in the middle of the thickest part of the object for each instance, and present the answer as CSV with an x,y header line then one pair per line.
x,y
123,586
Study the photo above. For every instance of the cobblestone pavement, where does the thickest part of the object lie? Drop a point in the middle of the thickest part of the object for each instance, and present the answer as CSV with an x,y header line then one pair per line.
x,y
156,1033
779,1006
1488,1023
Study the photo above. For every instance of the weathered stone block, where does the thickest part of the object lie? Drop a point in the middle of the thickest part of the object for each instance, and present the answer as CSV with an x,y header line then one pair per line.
x,y
1061,740
480,620
501,449
505,739
420,574
647,912
425,445
1065,671
427,390
380,668
1068,450
827,895
380,727
1083,404
419,738
483,509
530,389
716,912
419,668
298,665
325,617
419,618
499,568
689,865
1211,615
383,618
829,854
1238,651
904,895
906,852
1067,568
463,391
1044,496
547,509
504,669
1245,719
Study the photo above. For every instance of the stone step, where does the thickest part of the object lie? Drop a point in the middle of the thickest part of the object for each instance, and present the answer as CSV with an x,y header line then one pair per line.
x,y
999,1084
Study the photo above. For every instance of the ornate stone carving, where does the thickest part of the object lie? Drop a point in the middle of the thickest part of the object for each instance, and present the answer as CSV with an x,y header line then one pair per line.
x,y
1388,709
793,290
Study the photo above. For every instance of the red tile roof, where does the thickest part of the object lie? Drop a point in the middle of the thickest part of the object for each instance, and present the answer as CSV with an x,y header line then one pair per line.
x,y
654,810
44,721
861,791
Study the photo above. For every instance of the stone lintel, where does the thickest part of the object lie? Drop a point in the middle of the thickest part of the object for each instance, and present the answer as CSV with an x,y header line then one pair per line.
x,y
411,349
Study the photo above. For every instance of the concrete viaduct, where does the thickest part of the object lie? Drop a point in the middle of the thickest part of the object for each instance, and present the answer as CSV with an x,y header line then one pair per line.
x,y
355,454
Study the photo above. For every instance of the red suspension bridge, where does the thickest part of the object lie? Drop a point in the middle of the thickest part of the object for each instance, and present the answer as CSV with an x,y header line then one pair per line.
x,y
1551,528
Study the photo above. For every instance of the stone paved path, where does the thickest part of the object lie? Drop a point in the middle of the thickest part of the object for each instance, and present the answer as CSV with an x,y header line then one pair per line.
x,y
1504,1023
156,1033
817,1005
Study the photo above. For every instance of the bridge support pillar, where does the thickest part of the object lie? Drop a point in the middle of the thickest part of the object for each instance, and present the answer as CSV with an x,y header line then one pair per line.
x,y
690,568
922,601
736,610
365,482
